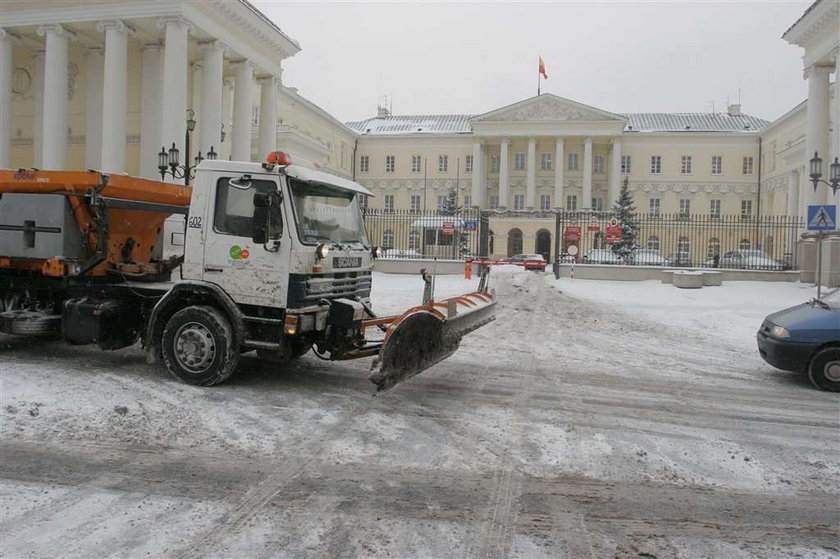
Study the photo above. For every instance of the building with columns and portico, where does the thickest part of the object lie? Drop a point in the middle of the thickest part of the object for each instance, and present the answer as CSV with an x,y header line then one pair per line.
x,y
106,83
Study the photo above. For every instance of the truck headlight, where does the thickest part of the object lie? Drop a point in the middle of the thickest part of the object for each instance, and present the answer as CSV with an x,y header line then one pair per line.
x,y
322,250
779,332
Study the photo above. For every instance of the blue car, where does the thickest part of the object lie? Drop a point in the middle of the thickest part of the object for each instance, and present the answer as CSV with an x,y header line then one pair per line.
x,y
805,338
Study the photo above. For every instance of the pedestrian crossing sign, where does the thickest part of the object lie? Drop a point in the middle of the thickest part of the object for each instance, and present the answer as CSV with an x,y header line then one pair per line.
x,y
822,218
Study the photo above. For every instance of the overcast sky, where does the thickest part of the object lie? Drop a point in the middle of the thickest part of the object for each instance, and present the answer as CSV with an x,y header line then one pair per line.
x,y
437,58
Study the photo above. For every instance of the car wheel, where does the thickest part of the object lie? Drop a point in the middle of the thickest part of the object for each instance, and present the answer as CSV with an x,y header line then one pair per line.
x,y
198,346
824,370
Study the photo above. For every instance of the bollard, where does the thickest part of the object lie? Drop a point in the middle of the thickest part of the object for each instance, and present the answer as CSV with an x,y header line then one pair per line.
x,y
468,269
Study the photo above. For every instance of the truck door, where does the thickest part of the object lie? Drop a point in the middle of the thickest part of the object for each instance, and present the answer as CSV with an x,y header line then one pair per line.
x,y
251,273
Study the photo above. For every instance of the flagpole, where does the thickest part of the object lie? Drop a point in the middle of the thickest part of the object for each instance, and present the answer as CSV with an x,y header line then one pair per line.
x,y
538,83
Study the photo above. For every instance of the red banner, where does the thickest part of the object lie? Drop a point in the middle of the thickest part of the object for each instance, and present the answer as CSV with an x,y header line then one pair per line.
x,y
572,233
614,233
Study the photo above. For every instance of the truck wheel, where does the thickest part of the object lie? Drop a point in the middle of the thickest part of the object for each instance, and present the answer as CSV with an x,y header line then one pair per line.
x,y
824,370
198,346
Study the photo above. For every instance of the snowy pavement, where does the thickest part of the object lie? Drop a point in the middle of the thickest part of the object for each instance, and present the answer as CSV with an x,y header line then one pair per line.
x,y
592,419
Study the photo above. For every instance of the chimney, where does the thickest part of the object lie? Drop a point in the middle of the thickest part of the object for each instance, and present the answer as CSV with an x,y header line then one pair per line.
x,y
734,110
382,112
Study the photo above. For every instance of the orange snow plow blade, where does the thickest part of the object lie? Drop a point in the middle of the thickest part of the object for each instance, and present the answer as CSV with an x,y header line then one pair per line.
x,y
428,334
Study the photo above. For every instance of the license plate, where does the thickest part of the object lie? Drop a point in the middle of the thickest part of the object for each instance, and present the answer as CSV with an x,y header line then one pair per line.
x,y
347,262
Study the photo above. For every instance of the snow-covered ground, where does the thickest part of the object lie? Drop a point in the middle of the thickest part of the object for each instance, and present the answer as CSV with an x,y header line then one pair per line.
x,y
591,419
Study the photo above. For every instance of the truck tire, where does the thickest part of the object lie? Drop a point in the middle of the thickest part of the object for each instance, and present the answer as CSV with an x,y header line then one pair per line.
x,y
198,346
30,323
824,370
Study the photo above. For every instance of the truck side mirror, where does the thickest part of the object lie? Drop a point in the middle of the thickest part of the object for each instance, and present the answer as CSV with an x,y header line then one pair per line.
x,y
266,204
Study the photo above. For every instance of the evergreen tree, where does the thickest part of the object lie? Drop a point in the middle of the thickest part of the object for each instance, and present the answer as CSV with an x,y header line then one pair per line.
x,y
451,207
624,211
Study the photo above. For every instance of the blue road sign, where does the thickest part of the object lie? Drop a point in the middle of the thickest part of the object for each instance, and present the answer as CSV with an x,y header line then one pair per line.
x,y
822,218
470,226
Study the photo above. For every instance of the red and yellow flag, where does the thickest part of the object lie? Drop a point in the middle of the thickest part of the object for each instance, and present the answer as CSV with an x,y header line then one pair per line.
x,y
542,68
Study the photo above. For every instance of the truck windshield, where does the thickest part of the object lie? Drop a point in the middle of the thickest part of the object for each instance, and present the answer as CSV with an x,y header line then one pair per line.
x,y
326,214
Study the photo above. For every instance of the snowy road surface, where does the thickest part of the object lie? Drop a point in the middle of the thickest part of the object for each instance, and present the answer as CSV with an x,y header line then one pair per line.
x,y
592,419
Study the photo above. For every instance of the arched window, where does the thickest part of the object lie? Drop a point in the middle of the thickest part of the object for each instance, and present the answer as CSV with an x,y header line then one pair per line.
x,y
683,244
744,244
714,247
653,242
414,240
543,244
388,239
514,242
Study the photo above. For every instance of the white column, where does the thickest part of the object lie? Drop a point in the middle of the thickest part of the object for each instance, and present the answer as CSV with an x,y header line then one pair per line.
x,y
817,129
227,105
268,115
150,117
38,60
559,163
586,203
94,68
242,100
793,193
54,126
478,189
196,106
504,175
615,172
210,124
531,176
114,95
173,123
7,41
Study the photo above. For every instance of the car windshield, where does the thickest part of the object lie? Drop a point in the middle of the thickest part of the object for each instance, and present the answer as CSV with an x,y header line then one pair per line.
x,y
326,214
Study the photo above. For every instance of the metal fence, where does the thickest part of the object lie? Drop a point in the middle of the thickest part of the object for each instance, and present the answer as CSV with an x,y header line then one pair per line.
x,y
430,234
726,241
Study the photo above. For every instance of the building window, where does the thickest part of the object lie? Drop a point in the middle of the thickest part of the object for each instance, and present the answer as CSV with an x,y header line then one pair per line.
x,y
744,244
653,242
598,164
746,209
495,163
494,202
467,201
468,164
571,203
389,163
714,247
625,164
414,240
364,164
388,239
747,168
717,164
655,164
389,202
443,163
414,204
597,204
545,202
519,162
573,162
519,202
545,162
714,209
655,206
685,207
441,204
683,245
415,163
685,165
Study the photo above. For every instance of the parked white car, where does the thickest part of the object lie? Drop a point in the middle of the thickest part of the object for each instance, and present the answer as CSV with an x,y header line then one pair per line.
x,y
601,256
749,260
646,257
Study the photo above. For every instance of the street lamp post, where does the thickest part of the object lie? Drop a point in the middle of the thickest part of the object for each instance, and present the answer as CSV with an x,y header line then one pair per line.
x,y
833,181
168,161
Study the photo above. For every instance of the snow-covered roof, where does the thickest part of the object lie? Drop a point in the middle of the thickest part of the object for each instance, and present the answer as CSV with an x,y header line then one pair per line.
x,y
637,122
413,124
692,122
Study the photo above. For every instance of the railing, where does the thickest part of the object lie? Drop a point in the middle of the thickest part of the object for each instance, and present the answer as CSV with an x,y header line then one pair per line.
x,y
426,235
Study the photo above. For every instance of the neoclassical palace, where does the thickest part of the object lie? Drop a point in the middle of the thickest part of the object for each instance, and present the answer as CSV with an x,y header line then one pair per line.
x,y
107,83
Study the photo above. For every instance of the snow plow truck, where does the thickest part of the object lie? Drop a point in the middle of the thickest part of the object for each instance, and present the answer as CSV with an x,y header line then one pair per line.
x,y
273,257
